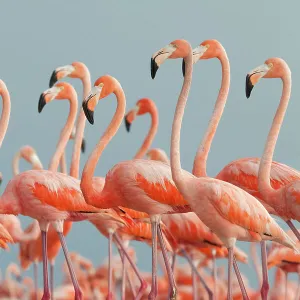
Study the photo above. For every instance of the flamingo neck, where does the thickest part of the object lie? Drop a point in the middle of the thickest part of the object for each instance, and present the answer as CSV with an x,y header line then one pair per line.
x,y
35,165
74,170
63,164
266,161
176,127
5,114
199,169
65,133
89,168
151,134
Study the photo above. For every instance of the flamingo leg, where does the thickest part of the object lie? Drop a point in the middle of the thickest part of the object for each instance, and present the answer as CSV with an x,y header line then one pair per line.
x,y
35,275
230,263
298,289
208,290
135,269
78,293
195,289
153,292
240,280
46,295
214,273
265,285
294,229
109,294
123,287
132,288
173,262
167,264
52,278
286,285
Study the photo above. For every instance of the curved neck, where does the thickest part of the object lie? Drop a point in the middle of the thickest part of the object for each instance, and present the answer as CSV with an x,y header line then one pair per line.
x,y
176,127
199,169
5,114
89,168
266,161
63,164
151,134
65,133
74,170
16,161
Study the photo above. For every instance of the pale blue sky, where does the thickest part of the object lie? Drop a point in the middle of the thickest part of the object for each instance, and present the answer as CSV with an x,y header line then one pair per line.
x,y
118,38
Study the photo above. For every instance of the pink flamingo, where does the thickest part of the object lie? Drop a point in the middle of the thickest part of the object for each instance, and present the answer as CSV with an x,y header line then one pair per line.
x,y
207,50
46,195
142,185
227,210
106,223
143,106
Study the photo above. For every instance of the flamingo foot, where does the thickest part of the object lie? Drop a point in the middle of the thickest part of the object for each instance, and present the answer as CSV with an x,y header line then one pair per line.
x,y
141,291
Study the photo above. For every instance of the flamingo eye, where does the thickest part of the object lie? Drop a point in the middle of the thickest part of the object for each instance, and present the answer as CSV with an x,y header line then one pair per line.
x,y
270,65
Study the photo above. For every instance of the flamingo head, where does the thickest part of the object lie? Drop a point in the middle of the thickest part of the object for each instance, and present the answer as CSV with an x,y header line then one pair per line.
x,y
103,87
61,90
75,70
30,155
142,106
176,49
272,68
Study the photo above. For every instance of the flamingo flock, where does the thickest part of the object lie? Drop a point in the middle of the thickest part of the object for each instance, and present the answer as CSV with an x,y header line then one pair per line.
x,y
152,199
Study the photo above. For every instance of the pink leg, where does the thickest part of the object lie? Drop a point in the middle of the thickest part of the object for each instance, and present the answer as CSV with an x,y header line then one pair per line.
x,y
298,289
230,263
109,295
128,275
195,288
167,264
136,271
286,285
46,295
132,288
214,274
265,283
240,280
52,278
294,229
78,293
123,287
173,262
35,275
153,292
208,290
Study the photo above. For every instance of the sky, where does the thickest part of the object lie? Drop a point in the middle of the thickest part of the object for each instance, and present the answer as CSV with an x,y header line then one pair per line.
x,y
118,38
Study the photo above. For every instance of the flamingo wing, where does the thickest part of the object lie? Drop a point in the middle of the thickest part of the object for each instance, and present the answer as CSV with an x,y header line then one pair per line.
x,y
242,209
59,190
244,174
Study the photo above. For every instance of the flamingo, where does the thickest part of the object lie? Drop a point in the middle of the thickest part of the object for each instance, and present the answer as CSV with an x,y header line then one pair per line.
x,y
141,185
46,195
143,106
230,212
207,50
108,228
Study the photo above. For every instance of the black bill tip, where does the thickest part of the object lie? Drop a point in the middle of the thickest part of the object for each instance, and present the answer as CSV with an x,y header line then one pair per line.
x,y
19,278
88,113
183,67
154,68
127,124
53,79
42,103
1,181
83,145
249,85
